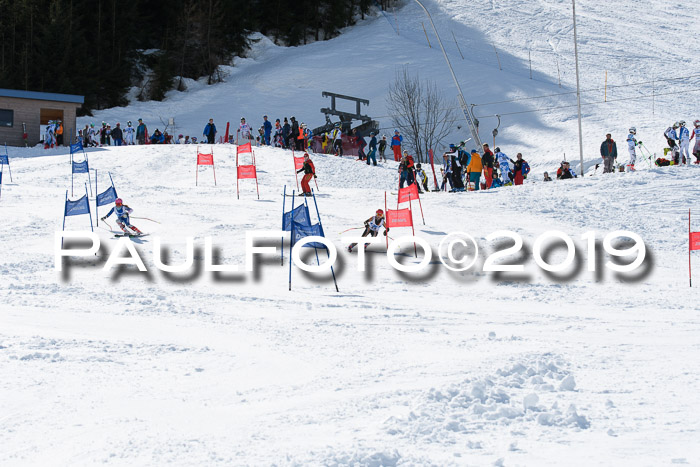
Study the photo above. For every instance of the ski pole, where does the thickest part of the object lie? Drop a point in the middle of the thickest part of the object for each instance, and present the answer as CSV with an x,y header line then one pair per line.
x,y
146,219
105,222
347,230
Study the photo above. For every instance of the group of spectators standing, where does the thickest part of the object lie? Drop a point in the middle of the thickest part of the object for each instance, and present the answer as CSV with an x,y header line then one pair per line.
x,y
288,134
463,170
53,134
118,136
677,136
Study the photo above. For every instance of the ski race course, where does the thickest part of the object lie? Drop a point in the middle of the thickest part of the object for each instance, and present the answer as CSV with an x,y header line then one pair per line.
x,y
128,367
579,367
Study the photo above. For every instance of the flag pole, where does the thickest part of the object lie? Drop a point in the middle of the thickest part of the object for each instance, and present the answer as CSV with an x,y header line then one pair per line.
x,y
284,195
690,273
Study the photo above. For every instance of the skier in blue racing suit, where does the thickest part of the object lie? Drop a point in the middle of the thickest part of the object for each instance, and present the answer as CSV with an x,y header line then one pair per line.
x,y
122,212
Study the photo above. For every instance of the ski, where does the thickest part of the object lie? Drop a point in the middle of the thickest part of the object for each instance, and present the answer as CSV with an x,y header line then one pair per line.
x,y
129,235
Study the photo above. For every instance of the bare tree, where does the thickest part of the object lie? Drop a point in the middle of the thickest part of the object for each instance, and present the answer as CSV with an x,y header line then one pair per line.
x,y
420,112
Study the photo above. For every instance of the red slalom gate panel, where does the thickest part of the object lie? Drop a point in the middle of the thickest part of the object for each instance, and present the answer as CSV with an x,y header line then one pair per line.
x,y
399,218
244,148
243,172
406,195
247,171
204,159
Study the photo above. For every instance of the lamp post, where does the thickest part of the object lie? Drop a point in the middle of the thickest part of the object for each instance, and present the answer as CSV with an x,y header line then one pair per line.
x,y
578,90
468,116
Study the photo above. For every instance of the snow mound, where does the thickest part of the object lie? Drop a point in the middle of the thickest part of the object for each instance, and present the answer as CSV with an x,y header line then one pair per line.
x,y
507,396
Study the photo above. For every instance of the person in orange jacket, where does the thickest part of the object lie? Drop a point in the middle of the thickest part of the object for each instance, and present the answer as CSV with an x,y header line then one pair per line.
x,y
474,169
309,173
59,134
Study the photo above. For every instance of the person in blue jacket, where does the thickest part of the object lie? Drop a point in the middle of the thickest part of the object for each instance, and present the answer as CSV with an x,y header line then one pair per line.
x,y
396,141
210,131
122,212
608,151
372,149
267,130
157,137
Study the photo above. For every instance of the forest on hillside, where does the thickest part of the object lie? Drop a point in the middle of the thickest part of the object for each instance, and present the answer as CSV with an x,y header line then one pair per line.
x,y
100,48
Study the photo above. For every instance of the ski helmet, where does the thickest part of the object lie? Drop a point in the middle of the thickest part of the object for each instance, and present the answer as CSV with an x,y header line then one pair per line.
x,y
633,130
675,125
118,202
497,149
380,212
682,123
129,123
243,119
696,123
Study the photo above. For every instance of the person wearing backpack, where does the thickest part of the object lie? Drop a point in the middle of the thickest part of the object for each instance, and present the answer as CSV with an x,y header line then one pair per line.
x,y
474,169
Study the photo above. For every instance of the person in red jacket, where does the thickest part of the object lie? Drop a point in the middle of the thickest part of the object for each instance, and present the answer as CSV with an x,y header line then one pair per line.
x,y
487,161
309,173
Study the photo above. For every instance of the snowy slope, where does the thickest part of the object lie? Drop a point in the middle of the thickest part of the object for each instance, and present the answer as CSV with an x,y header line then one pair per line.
x,y
634,44
127,368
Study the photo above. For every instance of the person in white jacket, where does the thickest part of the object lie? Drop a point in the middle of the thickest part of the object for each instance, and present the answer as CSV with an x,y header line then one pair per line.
x,y
503,164
631,147
129,134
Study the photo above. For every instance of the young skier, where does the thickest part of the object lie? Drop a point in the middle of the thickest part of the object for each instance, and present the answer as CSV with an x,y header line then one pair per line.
x,y
631,143
422,178
372,226
696,135
122,212
277,138
503,164
564,172
309,173
245,130
684,137
671,138
446,172
128,134
92,136
495,181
